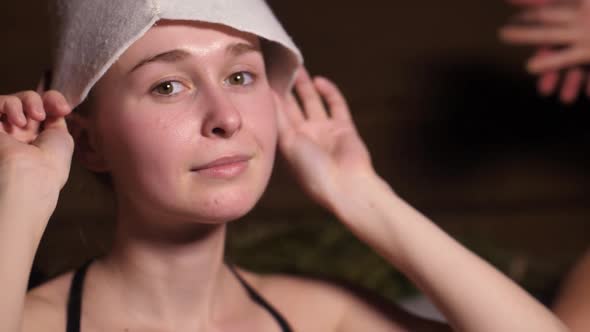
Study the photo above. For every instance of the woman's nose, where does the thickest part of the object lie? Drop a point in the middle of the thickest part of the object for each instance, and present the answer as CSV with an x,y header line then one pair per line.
x,y
222,118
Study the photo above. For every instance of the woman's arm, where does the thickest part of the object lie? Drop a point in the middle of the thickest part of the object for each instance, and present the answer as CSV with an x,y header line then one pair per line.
x,y
34,166
334,167
471,294
573,302
19,238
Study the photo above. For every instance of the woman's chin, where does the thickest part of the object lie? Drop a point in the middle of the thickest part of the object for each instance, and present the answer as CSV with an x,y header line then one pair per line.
x,y
221,217
226,204
224,209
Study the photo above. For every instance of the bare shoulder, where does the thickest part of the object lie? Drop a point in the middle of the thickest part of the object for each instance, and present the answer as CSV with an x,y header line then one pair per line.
x,y
45,305
312,304
300,299
573,301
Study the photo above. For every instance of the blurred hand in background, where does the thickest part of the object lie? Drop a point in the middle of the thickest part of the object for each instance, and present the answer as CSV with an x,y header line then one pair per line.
x,y
561,31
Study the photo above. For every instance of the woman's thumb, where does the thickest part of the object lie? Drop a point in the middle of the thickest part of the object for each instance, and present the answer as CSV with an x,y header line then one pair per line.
x,y
56,142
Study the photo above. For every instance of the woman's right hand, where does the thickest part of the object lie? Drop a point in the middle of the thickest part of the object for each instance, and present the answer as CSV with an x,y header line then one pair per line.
x,y
35,146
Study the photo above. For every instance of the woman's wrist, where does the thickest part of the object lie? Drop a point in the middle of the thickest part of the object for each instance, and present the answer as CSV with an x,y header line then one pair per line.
x,y
28,208
28,200
359,196
28,187
371,210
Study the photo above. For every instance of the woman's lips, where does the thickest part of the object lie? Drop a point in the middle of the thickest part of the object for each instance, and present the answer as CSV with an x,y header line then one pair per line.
x,y
226,167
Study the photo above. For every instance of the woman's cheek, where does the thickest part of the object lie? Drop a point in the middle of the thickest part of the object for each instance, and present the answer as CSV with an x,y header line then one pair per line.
x,y
164,139
261,120
149,143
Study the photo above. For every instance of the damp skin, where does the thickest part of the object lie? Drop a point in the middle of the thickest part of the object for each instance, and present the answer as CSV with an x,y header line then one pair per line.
x,y
221,107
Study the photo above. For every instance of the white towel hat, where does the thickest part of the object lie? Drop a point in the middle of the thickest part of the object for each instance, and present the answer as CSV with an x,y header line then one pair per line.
x,y
92,34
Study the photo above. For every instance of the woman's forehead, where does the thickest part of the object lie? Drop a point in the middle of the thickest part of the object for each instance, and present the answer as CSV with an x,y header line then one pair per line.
x,y
196,38
91,36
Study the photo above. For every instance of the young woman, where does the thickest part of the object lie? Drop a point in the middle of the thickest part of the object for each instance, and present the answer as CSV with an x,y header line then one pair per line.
x,y
184,116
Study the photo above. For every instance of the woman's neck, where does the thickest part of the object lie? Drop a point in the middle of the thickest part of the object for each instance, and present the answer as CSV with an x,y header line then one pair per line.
x,y
177,276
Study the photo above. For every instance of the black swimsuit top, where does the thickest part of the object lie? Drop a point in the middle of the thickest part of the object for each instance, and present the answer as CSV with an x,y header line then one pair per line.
x,y
75,301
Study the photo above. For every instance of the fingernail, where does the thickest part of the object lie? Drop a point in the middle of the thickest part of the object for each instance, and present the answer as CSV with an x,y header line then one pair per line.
x,y
40,113
62,104
22,119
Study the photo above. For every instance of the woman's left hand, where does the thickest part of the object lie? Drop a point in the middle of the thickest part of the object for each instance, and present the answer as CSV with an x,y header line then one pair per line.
x,y
322,145
319,140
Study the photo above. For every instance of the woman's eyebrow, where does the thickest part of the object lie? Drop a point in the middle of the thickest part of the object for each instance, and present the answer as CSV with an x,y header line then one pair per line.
x,y
234,49
237,49
170,56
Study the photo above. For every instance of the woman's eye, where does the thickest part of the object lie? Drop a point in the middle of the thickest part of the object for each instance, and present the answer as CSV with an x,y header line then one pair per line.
x,y
169,88
240,78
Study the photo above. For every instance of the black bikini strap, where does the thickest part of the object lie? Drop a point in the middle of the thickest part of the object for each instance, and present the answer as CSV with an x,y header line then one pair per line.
x,y
74,309
75,300
262,302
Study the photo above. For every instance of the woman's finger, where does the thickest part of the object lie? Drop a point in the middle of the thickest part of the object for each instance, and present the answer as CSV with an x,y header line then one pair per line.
x,y
292,110
282,120
572,85
284,124
32,105
548,80
55,104
285,116
57,144
530,2
539,35
310,99
334,98
559,60
547,83
12,107
55,136
549,15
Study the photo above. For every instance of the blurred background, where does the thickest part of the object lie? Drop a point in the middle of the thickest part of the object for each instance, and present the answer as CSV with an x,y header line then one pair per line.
x,y
453,122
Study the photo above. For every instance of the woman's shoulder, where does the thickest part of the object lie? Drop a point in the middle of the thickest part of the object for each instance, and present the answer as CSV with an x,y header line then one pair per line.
x,y
343,306
573,301
45,305
297,287
301,298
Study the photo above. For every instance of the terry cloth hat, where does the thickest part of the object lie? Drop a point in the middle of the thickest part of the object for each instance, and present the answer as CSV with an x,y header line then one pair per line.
x,y
92,34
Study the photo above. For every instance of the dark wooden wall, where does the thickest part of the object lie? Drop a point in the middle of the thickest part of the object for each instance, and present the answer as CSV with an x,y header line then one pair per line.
x,y
452,120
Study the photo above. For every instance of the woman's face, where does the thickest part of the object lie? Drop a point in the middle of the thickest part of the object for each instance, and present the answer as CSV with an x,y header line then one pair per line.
x,y
185,123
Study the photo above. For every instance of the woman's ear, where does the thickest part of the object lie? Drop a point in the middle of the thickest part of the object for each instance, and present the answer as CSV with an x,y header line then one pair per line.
x,y
87,150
